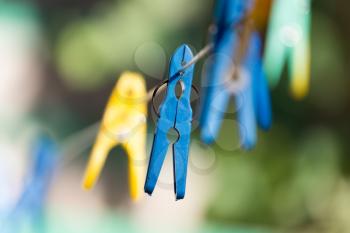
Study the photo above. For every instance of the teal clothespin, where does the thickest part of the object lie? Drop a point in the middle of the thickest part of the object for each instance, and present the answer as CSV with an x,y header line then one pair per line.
x,y
288,39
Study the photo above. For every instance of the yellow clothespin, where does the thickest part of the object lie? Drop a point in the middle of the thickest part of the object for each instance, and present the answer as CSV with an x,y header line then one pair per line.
x,y
124,122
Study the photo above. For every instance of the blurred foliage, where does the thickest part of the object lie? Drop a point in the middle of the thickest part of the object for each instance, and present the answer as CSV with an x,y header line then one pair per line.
x,y
92,48
286,182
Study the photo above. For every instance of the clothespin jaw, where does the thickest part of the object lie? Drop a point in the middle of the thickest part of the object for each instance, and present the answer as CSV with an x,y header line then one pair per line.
x,y
124,122
289,40
215,96
246,114
176,113
254,97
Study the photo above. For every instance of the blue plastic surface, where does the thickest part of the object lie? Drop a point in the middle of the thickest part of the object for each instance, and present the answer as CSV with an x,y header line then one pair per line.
x,y
253,98
260,86
30,205
174,113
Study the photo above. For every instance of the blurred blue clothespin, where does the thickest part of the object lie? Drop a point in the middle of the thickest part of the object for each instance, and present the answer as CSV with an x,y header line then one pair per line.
x,y
31,203
217,91
175,113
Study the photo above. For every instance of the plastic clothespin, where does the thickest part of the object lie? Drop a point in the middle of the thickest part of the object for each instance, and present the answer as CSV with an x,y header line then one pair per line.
x,y
216,93
31,202
288,39
253,99
124,122
175,113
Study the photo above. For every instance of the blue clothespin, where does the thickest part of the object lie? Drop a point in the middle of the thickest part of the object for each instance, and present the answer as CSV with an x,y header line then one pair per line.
x,y
215,92
30,205
175,113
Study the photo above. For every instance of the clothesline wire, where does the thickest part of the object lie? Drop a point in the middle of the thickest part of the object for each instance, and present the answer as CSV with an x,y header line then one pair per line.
x,y
78,142
200,55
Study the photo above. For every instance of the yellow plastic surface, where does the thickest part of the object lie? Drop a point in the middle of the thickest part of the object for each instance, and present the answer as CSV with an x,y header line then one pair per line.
x,y
124,123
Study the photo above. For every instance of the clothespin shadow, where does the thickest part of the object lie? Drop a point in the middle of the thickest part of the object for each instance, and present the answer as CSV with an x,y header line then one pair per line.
x,y
226,76
29,211
288,41
176,115
123,123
